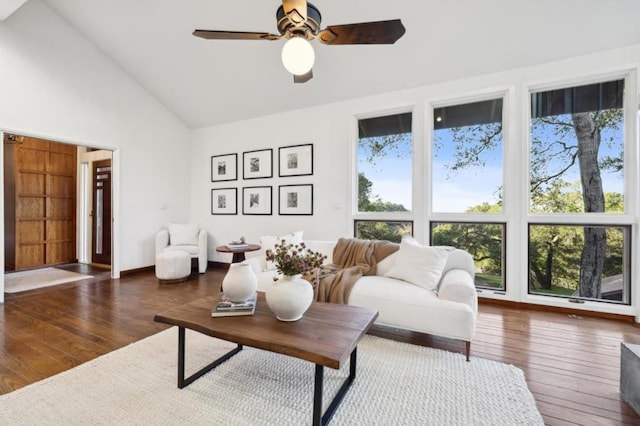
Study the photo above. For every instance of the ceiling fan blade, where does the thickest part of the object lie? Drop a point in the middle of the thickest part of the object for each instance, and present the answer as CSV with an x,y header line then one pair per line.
x,y
303,78
295,11
380,32
234,35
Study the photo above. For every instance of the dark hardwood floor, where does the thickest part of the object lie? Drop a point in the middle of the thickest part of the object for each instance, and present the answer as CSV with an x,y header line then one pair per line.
x,y
571,362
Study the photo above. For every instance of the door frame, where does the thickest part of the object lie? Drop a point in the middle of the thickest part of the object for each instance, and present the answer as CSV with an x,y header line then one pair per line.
x,y
115,201
85,204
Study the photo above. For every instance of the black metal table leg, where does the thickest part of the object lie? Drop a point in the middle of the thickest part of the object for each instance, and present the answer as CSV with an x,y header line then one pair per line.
x,y
182,381
324,419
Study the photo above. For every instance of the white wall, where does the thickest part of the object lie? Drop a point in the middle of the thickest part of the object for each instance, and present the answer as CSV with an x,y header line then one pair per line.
x,y
56,85
332,130
320,126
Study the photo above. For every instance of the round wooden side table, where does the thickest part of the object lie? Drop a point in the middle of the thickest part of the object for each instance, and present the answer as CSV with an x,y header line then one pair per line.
x,y
238,253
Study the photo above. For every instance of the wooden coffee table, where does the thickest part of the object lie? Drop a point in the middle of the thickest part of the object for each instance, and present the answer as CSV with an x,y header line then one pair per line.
x,y
342,325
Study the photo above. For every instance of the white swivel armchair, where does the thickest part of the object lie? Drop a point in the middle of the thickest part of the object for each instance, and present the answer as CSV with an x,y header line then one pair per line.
x,y
184,237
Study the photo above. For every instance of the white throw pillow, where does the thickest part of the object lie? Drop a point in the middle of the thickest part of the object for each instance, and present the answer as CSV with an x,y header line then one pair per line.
x,y
418,264
183,234
268,242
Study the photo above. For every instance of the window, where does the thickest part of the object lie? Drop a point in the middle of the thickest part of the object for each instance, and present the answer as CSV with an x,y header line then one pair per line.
x,y
485,243
577,169
561,263
556,184
467,157
385,147
383,230
384,171
576,152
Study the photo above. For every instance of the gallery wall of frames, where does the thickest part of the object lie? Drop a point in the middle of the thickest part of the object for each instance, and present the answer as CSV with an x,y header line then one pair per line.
x,y
253,193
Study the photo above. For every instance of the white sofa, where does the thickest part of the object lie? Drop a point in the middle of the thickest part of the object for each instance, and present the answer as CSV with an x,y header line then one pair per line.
x,y
449,311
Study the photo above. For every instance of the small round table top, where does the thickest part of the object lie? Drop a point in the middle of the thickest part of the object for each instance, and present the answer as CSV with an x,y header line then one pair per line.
x,y
249,247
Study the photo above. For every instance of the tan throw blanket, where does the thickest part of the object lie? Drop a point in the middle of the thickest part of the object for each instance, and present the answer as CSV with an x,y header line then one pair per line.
x,y
352,259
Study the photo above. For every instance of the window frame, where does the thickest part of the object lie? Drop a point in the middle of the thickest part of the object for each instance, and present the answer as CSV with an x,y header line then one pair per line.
x,y
504,93
516,215
504,258
631,173
382,216
627,265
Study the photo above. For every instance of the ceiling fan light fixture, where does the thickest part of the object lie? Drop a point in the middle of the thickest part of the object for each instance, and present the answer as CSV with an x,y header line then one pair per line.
x,y
298,56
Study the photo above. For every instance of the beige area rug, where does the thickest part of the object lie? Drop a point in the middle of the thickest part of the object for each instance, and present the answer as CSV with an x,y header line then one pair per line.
x,y
15,282
396,383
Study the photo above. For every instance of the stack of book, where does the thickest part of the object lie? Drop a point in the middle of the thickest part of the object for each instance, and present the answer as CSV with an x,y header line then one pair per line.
x,y
227,308
236,245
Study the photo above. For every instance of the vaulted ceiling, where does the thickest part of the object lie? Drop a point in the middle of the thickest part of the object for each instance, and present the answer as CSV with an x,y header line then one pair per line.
x,y
208,82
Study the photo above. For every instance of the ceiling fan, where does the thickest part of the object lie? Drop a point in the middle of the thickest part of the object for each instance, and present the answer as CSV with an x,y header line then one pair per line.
x,y
299,22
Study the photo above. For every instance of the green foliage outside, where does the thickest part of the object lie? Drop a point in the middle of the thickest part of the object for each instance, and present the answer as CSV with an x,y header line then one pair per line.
x,y
383,230
484,241
555,250
489,280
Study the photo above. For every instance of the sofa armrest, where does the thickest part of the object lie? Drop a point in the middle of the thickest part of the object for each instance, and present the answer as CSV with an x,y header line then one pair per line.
x,y
457,286
162,241
255,262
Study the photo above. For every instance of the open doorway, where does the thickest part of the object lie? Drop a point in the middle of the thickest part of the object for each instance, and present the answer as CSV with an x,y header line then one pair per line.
x,y
95,211
57,204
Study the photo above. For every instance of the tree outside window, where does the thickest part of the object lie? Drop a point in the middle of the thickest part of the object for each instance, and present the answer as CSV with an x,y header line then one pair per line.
x,y
577,165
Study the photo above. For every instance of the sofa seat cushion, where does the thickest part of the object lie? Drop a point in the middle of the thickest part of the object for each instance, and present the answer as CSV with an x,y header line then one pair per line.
x,y
404,305
192,250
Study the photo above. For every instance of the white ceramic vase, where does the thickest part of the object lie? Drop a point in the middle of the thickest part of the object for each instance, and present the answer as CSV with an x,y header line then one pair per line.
x,y
240,283
289,297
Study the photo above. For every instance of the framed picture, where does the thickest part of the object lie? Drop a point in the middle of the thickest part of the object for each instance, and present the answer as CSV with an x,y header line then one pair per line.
x,y
224,201
224,167
257,164
257,200
295,199
296,160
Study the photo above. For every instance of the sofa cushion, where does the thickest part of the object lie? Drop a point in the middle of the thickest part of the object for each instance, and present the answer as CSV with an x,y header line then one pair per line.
x,y
385,265
418,264
268,242
192,250
183,234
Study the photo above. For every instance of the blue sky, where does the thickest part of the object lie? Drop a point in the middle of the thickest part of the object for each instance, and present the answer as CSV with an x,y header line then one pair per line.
x,y
391,177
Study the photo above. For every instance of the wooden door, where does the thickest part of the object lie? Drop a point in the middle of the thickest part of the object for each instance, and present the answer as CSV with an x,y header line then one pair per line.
x,y
9,143
43,187
101,213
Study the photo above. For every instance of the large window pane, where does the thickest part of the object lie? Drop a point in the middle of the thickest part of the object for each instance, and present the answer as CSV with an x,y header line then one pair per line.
x,y
580,262
485,243
467,157
577,149
383,230
385,147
